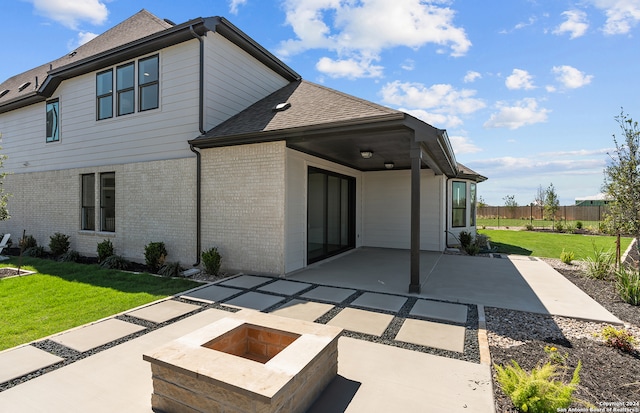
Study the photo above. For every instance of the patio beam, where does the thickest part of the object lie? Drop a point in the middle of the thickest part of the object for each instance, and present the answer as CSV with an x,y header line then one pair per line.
x,y
416,163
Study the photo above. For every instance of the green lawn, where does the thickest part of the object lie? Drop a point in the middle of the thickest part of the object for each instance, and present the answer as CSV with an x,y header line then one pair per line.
x,y
537,223
550,245
65,295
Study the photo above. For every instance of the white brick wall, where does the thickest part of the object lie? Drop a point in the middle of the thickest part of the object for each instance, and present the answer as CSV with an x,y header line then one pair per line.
x,y
155,201
243,206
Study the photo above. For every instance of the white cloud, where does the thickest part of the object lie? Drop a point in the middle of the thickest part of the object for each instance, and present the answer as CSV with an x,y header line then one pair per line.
x,y
439,120
360,30
83,37
622,15
234,4
550,88
463,145
539,165
471,76
570,77
576,24
521,25
349,68
523,112
408,65
519,79
70,13
443,97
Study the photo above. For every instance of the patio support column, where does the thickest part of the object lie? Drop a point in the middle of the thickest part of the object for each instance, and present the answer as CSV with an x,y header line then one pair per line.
x,y
416,163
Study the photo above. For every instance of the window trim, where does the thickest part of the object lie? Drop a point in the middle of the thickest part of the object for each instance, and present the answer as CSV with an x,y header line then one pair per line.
x,y
85,216
473,195
103,218
56,136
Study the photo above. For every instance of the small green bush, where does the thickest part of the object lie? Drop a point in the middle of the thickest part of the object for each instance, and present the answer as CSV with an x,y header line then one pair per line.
x,y
538,391
155,254
171,269
621,339
28,241
58,244
559,227
70,256
104,250
35,252
579,225
465,239
212,260
115,262
567,257
529,227
601,264
628,285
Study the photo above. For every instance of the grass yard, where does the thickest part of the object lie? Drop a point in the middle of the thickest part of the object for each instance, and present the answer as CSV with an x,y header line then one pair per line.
x,y
65,295
537,223
550,245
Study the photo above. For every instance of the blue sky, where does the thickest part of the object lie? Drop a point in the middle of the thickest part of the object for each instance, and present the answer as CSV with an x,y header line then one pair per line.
x,y
528,90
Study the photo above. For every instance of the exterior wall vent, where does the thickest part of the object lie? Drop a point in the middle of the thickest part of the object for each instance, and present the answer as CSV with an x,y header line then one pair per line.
x,y
4,92
281,107
23,86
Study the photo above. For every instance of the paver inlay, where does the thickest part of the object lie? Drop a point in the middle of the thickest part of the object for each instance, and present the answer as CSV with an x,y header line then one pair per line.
x,y
164,311
437,335
254,301
362,321
303,310
380,301
436,310
212,293
96,335
284,287
24,360
246,281
331,294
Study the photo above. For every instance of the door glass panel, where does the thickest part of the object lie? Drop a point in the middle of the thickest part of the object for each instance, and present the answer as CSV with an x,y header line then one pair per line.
x,y
316,216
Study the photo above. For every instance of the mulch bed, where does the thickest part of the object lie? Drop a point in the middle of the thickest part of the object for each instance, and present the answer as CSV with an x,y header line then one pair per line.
x,y
11,272
608,375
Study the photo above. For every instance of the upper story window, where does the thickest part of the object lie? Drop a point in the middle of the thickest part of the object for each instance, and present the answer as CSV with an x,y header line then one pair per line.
x,y
458,204
104,93
53,120
125,79
148,83
145,88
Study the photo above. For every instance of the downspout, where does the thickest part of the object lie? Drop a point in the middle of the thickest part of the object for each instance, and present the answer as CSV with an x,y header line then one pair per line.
x,y
198,154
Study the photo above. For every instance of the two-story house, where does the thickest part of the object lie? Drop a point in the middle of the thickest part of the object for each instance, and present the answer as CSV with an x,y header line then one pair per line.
x,y
196,136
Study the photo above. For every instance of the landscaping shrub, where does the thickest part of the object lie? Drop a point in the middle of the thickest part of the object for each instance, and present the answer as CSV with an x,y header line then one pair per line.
x,y
70,256
28,241
579,225
171,269
58,244
465,239
628,285
600,265
35,252
211,260
538,391
621,339
529,227
104,250
567,257
559,227
115,262
155,254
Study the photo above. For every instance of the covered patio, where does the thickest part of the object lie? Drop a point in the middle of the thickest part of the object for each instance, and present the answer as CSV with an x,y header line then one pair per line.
x,y
512,282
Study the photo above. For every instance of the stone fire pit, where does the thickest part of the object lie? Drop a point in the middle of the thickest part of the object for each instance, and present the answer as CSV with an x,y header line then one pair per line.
x,y
247,362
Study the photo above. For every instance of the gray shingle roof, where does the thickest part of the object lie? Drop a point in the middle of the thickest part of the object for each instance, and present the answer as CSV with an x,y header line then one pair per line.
x,y
139,25
311,105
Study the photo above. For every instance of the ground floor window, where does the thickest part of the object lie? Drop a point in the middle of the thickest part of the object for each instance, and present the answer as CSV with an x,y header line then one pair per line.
x,y
88,202
330,214
472,203
108,201
458,204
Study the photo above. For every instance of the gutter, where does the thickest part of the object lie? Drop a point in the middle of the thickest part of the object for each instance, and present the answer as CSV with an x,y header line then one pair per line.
x,y
198,154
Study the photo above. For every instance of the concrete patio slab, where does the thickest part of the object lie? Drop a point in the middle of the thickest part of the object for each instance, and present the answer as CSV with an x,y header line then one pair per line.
x,y
163,311
211,294
436,310
24,360
303,310
330,294
380,301
254,301
430,334
378,378
285,287
362,321
246,281
95,335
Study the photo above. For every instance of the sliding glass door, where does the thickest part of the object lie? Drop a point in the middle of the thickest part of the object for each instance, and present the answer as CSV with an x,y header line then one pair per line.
x,y
330,214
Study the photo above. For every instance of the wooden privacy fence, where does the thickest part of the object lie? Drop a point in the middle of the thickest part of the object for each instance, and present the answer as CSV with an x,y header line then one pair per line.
x,y
565,213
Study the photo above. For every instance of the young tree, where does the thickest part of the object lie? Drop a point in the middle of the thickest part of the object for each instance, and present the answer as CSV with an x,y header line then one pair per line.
x,y
551,202
481,202
540,199
511,204
622,179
